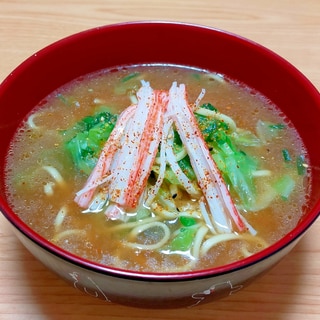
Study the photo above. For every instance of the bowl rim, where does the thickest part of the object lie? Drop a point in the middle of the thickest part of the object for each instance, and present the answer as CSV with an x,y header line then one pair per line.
x,y
271,250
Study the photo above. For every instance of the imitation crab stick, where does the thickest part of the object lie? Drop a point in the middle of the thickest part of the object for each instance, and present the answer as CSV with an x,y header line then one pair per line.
x,y
209,178
126,161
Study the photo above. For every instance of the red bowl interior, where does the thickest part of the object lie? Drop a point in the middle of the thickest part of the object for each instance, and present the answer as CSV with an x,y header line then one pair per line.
x,y
163,42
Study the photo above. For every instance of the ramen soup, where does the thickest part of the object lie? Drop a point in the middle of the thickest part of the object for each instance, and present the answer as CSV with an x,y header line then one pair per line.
x,y
158,168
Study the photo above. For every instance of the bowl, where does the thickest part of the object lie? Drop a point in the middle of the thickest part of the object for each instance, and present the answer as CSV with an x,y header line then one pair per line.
x,y
174,43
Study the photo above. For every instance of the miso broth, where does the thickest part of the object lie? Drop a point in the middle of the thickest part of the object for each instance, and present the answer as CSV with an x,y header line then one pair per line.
x,y
253,137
